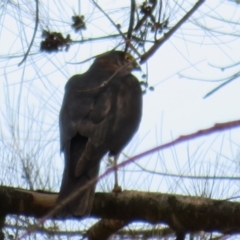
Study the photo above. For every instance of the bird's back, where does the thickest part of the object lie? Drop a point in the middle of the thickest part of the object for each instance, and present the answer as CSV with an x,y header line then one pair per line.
x,y
100,113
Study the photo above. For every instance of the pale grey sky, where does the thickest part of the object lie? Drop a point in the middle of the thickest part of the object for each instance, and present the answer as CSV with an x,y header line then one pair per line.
x,y
176,107
34,91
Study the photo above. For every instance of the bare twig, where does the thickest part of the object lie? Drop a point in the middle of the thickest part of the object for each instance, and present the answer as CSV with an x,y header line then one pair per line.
x,y
106,82
96,38
34,34
154,232
131,23
50,231
167,35
159,19
117,28
183,176
236,75
144,18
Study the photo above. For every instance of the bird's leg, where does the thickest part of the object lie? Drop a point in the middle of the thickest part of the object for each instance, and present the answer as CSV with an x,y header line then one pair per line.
x,y
115,172
116,188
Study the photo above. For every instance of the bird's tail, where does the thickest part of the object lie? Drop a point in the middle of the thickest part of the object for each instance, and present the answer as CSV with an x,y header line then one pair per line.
x,y
78,188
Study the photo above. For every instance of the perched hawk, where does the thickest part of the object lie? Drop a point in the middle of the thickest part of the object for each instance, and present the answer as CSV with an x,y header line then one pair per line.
x,y
100,113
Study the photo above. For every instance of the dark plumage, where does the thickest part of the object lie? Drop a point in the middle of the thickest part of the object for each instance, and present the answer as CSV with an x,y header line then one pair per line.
x,y
101,111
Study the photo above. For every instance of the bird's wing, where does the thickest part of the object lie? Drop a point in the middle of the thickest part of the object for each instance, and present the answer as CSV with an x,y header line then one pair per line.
x,y
80,114
84,106
101,107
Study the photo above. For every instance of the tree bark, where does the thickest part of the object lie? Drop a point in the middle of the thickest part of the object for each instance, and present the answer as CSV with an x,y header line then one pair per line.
x,y
181,213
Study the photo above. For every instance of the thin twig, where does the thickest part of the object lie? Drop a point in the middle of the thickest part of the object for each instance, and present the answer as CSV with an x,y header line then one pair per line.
x,y
144,18
34,34
182,176
159,19
96,38
236,75
120,32
106,82
167,35
131,23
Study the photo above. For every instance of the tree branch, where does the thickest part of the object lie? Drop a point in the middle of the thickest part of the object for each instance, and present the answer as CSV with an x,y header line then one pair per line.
x,y
131,23
104,228
167,35
181,213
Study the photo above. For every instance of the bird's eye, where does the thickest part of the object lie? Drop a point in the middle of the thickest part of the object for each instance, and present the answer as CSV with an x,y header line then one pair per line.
x,y
128,58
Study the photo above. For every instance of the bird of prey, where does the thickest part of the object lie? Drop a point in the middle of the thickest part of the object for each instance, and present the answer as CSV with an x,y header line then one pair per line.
x,y
100,113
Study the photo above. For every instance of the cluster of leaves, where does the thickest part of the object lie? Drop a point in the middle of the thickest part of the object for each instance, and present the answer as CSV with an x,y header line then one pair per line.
x,y
78,23
54,42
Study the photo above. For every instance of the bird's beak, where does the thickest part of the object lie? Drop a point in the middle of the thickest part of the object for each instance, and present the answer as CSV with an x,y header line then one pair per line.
x,y
136,66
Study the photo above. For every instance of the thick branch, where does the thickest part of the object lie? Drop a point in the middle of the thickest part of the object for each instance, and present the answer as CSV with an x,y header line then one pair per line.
x,y
152,233
104,228
181,213
25,202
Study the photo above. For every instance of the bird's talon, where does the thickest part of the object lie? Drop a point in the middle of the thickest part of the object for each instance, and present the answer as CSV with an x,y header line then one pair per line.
x,y
117,189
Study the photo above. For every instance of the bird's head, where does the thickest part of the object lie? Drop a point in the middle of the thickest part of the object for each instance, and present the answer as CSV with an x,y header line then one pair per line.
x,y
119,61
